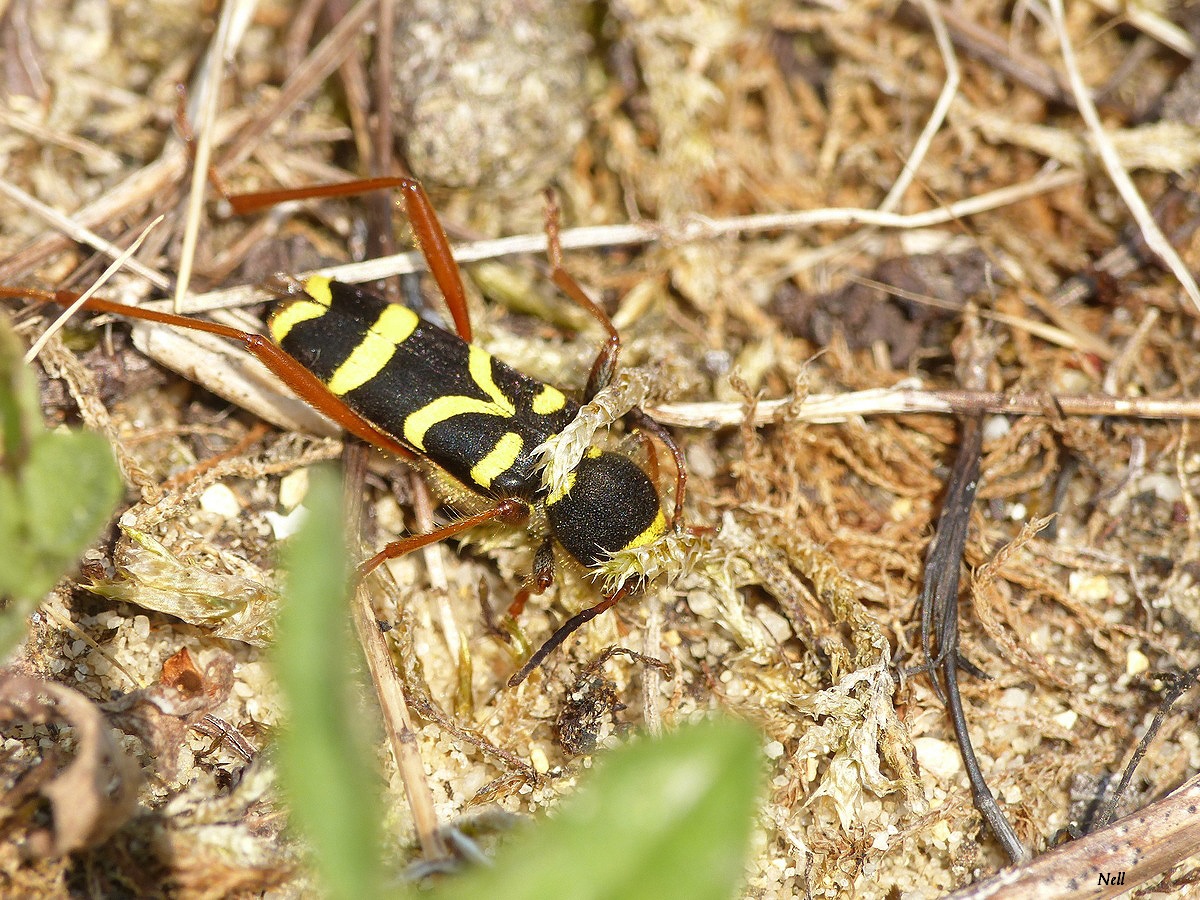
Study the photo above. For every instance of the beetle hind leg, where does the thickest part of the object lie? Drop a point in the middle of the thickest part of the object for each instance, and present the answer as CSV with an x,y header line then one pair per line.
x,y
564,631
510,510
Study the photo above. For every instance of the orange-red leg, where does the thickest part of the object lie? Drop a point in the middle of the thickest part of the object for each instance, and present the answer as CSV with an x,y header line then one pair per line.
x,y
431,239
656,428
510,510
302,382
606,360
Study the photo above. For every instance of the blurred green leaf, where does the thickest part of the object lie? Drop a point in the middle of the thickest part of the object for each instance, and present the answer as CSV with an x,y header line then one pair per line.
x,y
69,486
331,782
57,491
657,819
20,418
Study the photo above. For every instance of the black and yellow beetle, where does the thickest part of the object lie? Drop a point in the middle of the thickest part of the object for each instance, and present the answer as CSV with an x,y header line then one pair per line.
x,y
414,389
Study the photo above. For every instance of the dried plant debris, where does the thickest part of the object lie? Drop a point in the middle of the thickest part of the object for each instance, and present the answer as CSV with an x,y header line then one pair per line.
x,y
588,715
906,303
160,714
226,606
757,148
78,767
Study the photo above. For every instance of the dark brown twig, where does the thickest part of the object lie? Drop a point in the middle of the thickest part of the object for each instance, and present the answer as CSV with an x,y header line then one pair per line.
x,y
939,594
1182,684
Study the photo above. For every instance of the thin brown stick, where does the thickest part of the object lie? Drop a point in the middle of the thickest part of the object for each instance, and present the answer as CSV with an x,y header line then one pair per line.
x,y
397,720
381,232
1106,863
326,57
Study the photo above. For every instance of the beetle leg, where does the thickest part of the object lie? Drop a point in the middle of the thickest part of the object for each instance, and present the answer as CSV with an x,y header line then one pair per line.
x,y
431,238
510,510
606,360
569,627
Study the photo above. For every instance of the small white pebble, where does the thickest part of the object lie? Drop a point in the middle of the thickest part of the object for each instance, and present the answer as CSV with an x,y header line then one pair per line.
x,y
283,527
776,624
389,515
141,626
219,500
882,839
293,488
996,427
1136,662
1165,487
1067,719
939,758
537,756
1088,586
1070,381
1015,698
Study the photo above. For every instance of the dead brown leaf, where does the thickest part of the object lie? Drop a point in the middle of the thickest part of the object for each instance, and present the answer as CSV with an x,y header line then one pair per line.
x,y
93,794
160,714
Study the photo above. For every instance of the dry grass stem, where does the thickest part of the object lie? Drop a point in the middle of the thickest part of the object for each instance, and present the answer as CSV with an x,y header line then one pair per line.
x,y
1152,234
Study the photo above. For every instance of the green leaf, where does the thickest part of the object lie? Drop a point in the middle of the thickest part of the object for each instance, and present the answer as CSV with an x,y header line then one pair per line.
x,y
20,417
70,486
331,782
657,819
57,492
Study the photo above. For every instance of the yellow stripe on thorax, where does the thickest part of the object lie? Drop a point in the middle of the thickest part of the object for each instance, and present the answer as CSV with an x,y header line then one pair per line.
x,y
393,327
499,459
317,287
288,317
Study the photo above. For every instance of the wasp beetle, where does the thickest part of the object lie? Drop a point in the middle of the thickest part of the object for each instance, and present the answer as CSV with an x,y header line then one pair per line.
x,y
423,393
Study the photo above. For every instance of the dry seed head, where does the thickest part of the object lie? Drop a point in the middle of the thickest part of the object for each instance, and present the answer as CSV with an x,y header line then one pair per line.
x,y
560,453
